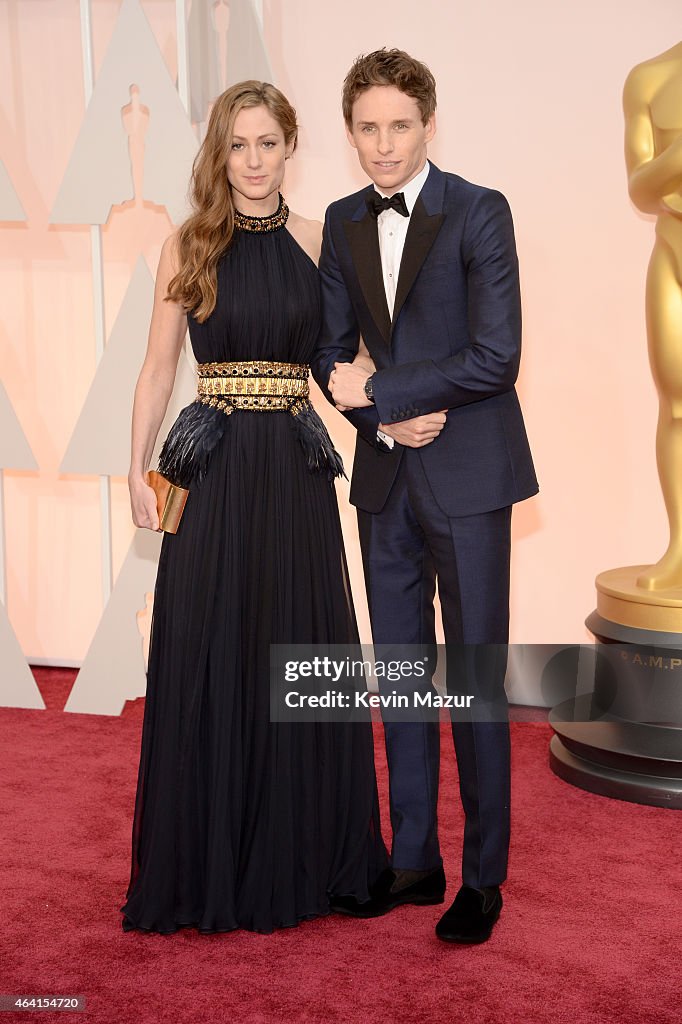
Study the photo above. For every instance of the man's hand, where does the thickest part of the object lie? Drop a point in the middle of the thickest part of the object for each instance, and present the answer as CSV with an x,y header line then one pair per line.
x,y
417,432
346,384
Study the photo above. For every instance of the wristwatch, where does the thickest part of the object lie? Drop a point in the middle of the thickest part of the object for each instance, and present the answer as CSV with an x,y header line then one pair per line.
x,y
369,388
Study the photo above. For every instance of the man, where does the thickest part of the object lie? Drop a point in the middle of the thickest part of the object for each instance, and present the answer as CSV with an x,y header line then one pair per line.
x,y
422,264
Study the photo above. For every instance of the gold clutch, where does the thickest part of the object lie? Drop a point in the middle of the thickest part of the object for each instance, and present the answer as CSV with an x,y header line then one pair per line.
x,y
170,500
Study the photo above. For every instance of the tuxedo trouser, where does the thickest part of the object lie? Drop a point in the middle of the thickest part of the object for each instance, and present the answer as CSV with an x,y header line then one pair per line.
x,y
406,547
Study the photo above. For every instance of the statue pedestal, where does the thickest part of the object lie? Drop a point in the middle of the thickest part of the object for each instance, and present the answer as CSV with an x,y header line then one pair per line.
x,y
624,739
622,602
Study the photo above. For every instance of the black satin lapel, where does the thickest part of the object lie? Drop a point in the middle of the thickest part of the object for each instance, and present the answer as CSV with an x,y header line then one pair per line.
x,y
421,233
363,240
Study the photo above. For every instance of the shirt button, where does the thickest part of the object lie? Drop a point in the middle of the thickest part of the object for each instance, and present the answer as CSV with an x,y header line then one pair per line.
x,y
390,275
390,234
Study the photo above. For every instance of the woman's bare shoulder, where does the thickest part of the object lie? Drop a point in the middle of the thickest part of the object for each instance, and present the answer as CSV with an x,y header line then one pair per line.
x,y
308,234
169,251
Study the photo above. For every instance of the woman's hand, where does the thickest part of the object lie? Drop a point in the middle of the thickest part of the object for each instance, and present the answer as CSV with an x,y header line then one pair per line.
x,y
346,384
363,361
143,503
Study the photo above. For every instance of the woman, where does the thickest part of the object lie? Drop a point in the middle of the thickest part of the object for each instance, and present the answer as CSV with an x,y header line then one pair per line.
x,y
241,822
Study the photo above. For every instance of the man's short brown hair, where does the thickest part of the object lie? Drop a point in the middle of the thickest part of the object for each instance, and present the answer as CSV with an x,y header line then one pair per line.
x,y
389,67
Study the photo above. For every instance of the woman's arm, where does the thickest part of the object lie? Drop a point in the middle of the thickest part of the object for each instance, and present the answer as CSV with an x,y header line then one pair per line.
x,y
363,359
154,387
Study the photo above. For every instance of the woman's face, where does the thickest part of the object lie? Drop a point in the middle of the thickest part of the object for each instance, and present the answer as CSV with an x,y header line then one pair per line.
x,y
255,167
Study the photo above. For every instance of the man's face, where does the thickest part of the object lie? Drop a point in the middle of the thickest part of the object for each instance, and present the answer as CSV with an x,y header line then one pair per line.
x,y
389,136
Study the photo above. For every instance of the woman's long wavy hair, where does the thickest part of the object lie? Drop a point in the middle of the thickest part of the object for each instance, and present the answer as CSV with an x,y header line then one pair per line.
x,y
208,231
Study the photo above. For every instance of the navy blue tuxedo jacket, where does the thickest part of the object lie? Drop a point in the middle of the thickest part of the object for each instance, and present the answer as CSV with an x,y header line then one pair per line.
x,y
454,342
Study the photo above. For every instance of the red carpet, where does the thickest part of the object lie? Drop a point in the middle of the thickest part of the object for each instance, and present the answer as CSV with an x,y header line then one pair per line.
x,y
590,933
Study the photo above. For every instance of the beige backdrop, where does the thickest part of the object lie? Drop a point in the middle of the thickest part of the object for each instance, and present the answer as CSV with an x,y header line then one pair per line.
x,y
529,102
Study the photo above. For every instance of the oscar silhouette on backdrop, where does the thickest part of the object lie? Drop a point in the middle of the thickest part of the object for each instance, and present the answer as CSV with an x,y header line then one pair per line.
x,y
220,19
135,117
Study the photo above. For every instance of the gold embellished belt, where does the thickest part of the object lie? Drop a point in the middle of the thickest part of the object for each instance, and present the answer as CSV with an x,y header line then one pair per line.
x,y
259,385
256,385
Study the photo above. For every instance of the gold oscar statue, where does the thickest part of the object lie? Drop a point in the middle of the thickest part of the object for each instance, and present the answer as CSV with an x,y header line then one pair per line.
x,y
650,596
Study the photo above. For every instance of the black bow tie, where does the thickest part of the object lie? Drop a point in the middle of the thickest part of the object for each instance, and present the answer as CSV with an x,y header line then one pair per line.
x,y
376,204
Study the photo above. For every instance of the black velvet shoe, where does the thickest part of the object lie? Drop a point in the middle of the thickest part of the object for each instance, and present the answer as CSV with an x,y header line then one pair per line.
x,y
471,917
393,889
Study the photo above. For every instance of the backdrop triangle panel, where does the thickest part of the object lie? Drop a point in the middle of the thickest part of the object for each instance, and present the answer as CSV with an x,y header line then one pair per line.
x,y
18,688
99,171
100,442
225,45
15,451
10,207
114,670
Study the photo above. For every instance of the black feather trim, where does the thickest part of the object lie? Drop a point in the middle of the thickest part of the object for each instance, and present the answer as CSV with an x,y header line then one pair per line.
x,y
316,442
185,453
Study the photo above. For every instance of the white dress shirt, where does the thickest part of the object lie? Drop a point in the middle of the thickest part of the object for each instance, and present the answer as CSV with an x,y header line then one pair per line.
x,y
392,228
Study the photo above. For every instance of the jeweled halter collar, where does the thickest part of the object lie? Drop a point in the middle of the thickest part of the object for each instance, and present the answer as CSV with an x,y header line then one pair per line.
x,y
260,225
